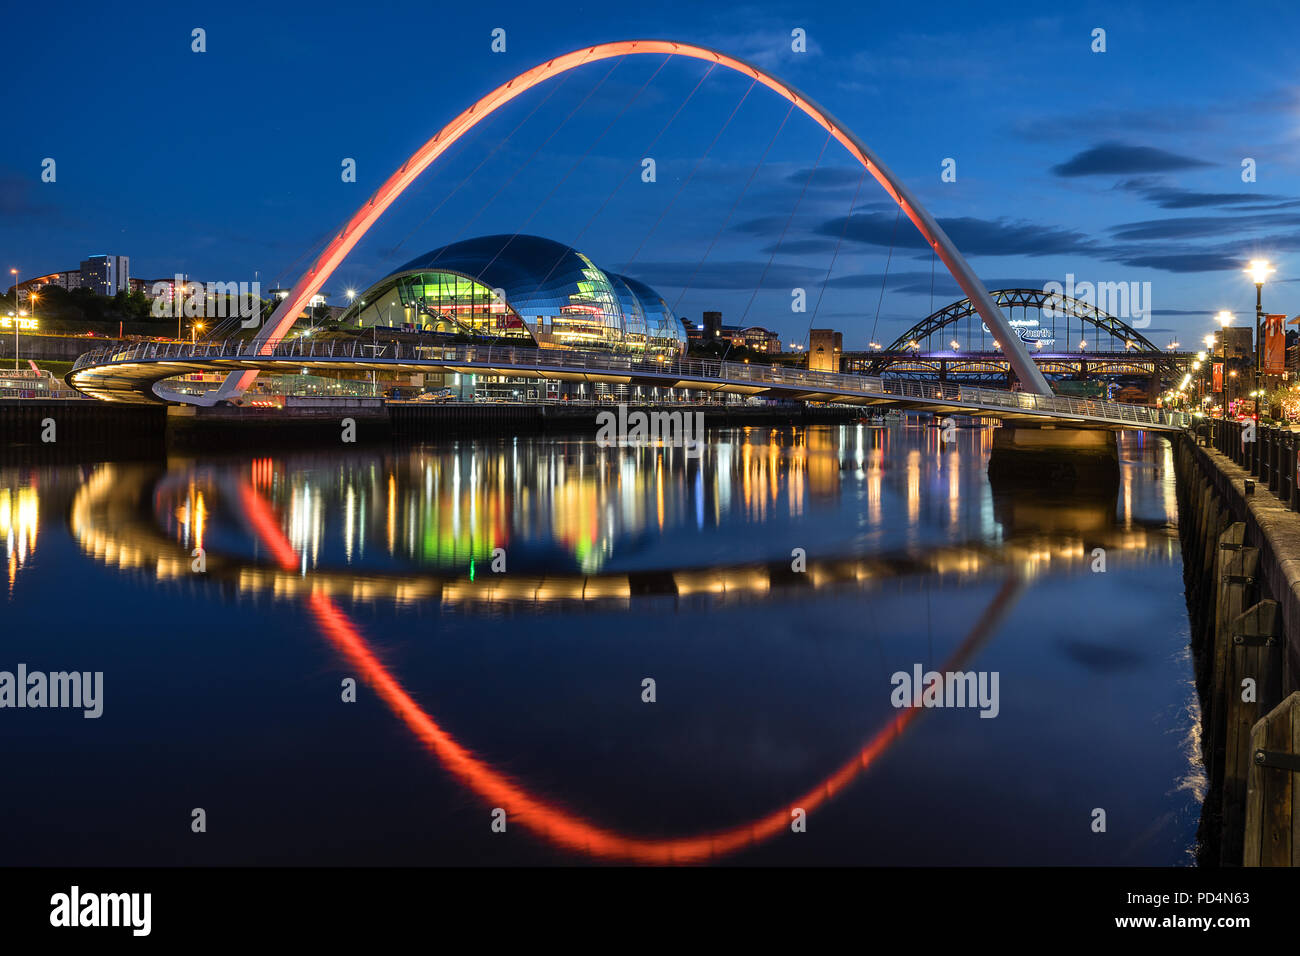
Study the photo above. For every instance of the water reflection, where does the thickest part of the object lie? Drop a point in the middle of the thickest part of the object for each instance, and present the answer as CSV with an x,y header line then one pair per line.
x,y
639,540
569,507
573,522
19,521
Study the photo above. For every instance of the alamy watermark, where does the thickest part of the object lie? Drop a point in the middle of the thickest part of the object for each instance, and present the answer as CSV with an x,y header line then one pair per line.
x,y
1130,301
72,689
640,429
76,909
947,689
207,300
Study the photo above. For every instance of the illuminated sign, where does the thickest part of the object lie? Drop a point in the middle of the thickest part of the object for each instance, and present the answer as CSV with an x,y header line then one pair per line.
x,y
27,325
1028,330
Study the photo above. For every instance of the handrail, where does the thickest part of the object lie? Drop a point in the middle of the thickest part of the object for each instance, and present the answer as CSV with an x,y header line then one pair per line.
x,y
697,369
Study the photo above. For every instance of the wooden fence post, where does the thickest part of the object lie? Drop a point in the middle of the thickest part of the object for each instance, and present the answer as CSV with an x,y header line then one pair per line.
x,y
1273,788
1255,655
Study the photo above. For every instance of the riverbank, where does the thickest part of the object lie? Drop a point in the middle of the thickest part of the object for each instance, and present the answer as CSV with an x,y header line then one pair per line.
x,y
84,424
1241,542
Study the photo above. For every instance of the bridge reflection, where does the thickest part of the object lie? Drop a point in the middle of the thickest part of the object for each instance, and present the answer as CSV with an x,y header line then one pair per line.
x,y
419,528
152,517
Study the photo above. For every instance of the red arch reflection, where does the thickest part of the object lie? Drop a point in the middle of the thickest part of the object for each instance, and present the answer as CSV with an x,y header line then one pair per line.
x,y
549,821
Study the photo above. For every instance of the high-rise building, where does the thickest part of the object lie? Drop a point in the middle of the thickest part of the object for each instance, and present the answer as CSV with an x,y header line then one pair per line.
x,y
107,275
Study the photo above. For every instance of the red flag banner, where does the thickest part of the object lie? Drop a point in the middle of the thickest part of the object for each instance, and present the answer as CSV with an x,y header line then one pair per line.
x,y
1218,377
1274,345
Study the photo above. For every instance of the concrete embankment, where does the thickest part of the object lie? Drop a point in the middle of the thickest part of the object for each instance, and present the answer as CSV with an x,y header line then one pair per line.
x,y
1240,531
54,429
85,424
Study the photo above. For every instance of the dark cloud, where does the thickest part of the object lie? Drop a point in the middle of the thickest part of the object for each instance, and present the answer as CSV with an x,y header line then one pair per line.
x,y
665,275
945,288
796,247
827,177
1186,262
1118,158
1171,197
974,237
1195,227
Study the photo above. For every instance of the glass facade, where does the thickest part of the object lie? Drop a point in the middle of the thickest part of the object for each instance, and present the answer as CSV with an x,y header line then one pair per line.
x,y
521,288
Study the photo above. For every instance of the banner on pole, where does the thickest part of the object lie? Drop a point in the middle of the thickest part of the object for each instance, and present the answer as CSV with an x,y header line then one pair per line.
x,y
1274,345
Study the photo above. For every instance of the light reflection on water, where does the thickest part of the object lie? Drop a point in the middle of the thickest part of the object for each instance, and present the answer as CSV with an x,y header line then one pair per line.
x,y
622,563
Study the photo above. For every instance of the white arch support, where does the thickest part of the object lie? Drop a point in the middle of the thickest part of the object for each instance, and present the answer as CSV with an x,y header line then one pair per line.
x,y
315,277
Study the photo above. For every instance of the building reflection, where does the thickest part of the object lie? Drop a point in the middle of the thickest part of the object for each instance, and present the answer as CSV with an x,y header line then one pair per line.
x,y
558,502
567,506
19,523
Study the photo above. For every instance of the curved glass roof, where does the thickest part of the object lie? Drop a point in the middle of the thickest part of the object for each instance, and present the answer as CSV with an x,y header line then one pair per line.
x,y
513,286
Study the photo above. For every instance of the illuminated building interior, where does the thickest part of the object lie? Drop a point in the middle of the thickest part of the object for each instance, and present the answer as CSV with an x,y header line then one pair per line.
x,y
524,290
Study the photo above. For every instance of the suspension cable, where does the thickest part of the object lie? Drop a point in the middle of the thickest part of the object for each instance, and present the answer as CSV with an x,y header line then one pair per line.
x,y
779,241
691,175
885,278
838,242
731,212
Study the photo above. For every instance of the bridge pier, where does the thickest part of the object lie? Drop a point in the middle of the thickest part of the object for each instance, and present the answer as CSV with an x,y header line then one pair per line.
x,y
1061,456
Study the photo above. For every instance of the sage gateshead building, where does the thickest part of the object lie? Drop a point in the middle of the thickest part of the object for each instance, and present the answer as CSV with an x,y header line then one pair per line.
x,y
524,290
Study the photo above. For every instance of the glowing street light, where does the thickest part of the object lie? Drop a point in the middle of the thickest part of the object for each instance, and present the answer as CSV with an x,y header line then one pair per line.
x,y
1259,270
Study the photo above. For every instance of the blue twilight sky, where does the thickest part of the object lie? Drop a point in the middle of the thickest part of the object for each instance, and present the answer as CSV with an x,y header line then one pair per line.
x,y
1122,166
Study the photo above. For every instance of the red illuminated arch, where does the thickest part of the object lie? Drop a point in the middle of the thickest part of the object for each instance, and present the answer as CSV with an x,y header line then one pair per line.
x,y
311,281
548,820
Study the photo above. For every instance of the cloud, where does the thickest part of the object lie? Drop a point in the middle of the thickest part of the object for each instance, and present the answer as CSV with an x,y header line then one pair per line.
x,y
974,237
1186,262
726,275
1171,197
827,177
1117,158
1195,227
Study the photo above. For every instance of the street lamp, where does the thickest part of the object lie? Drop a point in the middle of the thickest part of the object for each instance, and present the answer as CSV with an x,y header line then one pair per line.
x,y
1259,270
177,297
1224,319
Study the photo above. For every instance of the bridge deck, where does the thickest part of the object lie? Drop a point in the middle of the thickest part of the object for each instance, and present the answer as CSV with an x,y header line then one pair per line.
x,y
129,375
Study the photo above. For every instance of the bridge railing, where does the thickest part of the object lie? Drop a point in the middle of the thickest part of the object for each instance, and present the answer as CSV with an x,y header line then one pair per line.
x,y
507,358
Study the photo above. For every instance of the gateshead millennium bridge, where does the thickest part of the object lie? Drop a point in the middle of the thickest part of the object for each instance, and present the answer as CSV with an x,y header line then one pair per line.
x,y
130,375
136,375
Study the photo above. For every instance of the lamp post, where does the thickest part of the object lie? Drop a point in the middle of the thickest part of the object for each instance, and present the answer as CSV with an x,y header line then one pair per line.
x,y
177,297
1259,270
1225,320
14,273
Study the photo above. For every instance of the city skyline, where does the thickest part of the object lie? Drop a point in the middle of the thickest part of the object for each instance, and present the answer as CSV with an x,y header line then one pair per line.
x,y
1070,181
